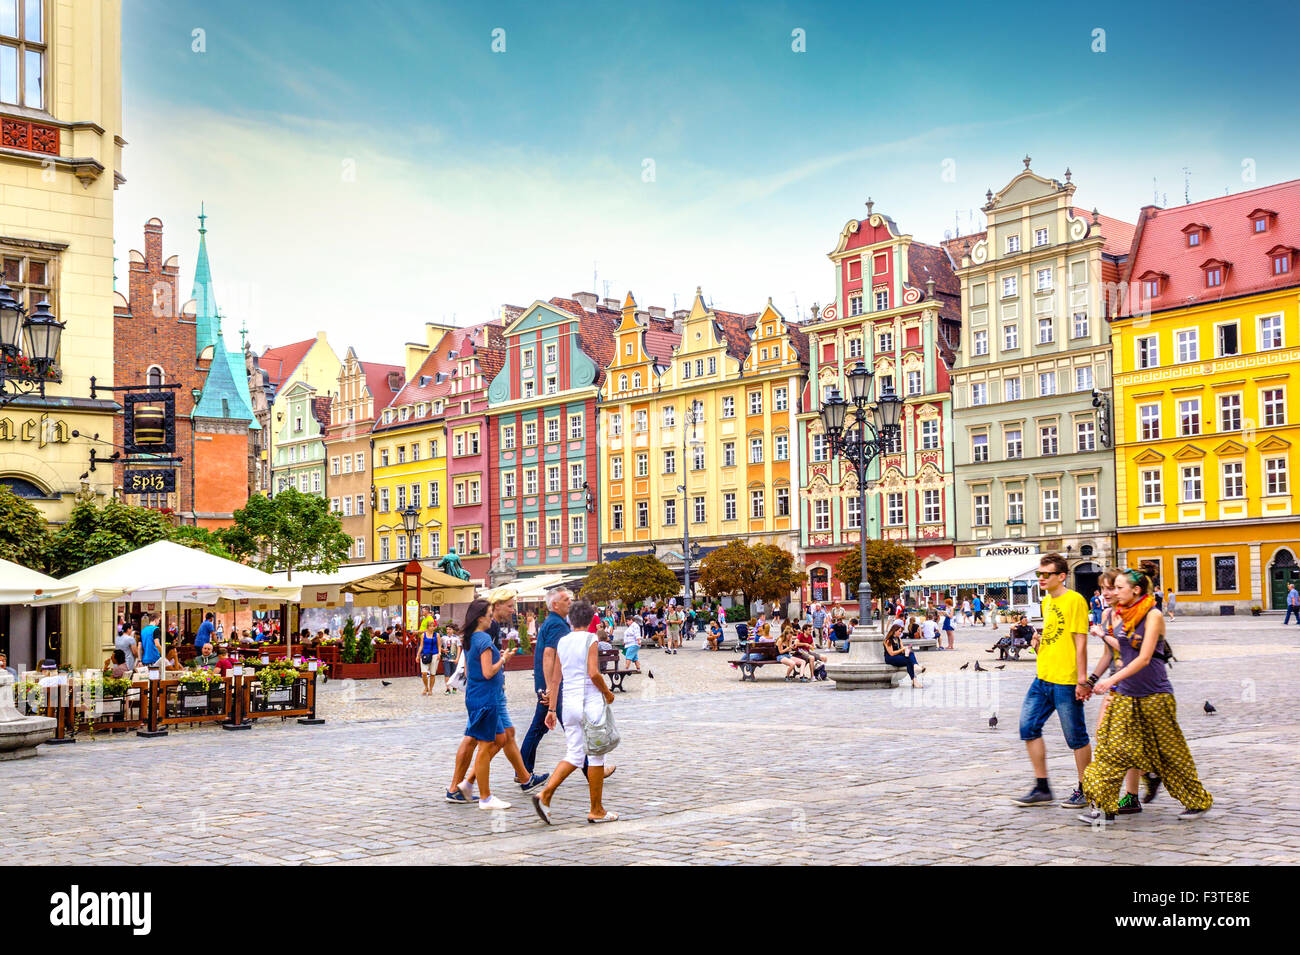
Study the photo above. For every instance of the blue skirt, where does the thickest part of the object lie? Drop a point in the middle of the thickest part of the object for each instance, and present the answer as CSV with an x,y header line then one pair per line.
x,y
485,723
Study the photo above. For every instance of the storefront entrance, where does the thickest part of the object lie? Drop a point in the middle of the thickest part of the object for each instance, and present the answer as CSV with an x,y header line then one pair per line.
x,y
1284,571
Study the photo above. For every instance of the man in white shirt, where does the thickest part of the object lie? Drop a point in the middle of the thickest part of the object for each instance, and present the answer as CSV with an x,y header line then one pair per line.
x,y
632,642
929,629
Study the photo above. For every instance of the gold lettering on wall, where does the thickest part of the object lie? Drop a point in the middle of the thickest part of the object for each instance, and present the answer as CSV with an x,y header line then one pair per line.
x,y
45,431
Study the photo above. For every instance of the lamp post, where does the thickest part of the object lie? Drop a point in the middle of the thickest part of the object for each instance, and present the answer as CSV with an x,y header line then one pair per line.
x,y
859,431
692,418
29,344
410,524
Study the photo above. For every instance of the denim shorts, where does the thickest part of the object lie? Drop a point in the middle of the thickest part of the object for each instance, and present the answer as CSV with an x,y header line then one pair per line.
x,y
503,713
1045,698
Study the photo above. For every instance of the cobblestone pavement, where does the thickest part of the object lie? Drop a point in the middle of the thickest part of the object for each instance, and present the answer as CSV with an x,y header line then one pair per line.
x,y
710,771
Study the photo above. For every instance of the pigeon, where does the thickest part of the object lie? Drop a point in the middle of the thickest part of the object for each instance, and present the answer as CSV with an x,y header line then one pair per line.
x,y
385,683
1001,666
650,674
993,721
1209,708
964,665
980,668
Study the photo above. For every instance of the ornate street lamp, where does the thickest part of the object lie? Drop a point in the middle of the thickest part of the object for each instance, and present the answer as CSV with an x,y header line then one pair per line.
x,y
872,429
29,345
410,524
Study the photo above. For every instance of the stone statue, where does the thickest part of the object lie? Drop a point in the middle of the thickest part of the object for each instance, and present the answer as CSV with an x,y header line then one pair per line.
x,y
502,571
450,565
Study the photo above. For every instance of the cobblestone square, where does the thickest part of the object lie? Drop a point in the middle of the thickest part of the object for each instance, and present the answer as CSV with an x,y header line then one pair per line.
x,y
710,771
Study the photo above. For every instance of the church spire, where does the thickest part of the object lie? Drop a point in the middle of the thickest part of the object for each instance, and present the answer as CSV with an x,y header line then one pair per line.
x,y
205,313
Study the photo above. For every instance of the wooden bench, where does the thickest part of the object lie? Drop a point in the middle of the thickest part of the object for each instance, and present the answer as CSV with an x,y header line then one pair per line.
x,y
765,651
920,643
611,665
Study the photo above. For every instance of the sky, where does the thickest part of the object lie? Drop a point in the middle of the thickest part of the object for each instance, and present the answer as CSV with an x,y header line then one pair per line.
x,y
368,167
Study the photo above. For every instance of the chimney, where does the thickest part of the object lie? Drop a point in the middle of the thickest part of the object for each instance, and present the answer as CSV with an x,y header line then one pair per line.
x,y
681,315
153,244
586,299
657,311
395,380
678,321
643,318
611,303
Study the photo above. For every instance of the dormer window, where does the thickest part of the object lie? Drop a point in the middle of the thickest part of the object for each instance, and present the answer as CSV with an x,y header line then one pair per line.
x,y
1261,220
1282,258
1153,284
1216,271
1196,233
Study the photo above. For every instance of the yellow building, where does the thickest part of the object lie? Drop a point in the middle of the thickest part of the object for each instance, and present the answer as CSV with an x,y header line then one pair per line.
x,y
311,362
60,161
1207,374
698,417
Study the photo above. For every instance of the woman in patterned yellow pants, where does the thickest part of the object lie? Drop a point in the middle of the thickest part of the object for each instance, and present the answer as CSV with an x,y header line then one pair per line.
x,y
1140,726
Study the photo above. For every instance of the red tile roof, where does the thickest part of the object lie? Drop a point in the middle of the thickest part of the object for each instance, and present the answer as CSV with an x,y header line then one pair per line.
x,y
925,262
377,382
279,363
1118,233
1161,246
661,339
320,409
735,329
595,331
956,248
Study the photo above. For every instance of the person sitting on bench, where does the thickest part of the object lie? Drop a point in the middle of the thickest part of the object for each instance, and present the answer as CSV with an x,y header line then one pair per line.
x,y
795,664
715,635
895,656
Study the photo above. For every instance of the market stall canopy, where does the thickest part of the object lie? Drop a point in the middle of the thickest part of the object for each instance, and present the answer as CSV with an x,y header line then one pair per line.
x,y
958,571
374,585
536,588
163,571
22,585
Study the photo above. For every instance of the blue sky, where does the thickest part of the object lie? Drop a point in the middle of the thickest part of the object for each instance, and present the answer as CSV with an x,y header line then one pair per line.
x,y
367,171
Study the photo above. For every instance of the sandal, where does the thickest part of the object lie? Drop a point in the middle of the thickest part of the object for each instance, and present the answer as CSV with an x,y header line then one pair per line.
x,y
543,810
608,817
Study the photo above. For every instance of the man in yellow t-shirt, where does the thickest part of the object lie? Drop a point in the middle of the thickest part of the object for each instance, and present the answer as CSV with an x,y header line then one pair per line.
x,y
1061,684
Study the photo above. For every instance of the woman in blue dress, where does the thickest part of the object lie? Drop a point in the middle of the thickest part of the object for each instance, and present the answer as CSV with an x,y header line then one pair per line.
x,y
485,678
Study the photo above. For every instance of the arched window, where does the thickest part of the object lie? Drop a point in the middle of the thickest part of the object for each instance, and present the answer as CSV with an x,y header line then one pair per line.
x,y
622,382
155,376
636,380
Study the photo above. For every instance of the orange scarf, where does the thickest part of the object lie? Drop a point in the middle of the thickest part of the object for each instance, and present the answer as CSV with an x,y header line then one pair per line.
x,y
1133,615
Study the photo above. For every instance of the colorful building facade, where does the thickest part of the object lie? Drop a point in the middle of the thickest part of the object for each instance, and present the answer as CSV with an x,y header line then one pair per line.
x,y
312,362
542,415
1031,383
299,420
897,311
1207,395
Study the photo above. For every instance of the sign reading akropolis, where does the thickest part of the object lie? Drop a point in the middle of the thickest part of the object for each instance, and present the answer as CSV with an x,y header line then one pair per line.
x,y
1007,550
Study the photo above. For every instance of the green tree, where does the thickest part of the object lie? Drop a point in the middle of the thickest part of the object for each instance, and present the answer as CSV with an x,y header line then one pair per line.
x,y
889,566
24,535
774,575
759,572
631,580
200,538
94,534
291,531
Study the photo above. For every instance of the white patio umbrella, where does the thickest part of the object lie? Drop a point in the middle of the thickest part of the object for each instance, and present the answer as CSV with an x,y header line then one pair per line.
x,y
22,585
164,571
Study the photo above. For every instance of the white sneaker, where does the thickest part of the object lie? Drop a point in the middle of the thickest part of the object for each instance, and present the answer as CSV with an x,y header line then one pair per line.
x,y
493,802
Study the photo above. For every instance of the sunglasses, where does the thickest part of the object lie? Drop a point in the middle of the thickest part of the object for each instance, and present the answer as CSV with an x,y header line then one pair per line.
x,y
1049,573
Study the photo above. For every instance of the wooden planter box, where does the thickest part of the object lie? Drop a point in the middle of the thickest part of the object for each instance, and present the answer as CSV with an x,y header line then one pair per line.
x,y
520,661
354,671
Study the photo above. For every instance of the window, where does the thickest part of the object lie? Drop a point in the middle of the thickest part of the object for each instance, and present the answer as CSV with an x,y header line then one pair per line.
x,y
530,533
1226,340
1088,502
347,464
699,366
527,358
334,466
895,511
1015,507
383,500
1040,237
550,353
334,506
821,515
641,420
699,510
1234,480
1275,479
670,511
1274,406
1015,444
931,508
315,482
781,399
728,407
1079,325
458,443
982,510
855,347
1051,504
434,496
1009,286
929,434
622,381
783,502
979,394
577,529
1189,417
530,433
361,461
1225,573
882,299
755,402
980,342
1191,484
1270,332
1047,383
669,416
979,448
1282,263
1047,440
729,454
1046,331
458,493
1083,378
697,458
552,430
530,480
885,342
1010,337
1149,421
529,388
1187,574
508,484
1043,280
1188,345
1230,412
1013,244
713,365
642,464
1152,489
1011,388
401,454
755,505
1085,435
1148,352
575,429
22,55
636,379
1194,237
360,505
617,513
915,384
508,538
616,469
1151,288
615,425
383,548
855,304
729,505
553,532
401,547
755,450
552,478
670,462
415,495
853,512
820,448
359,550
781,444
577,476
886,383
1213,277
